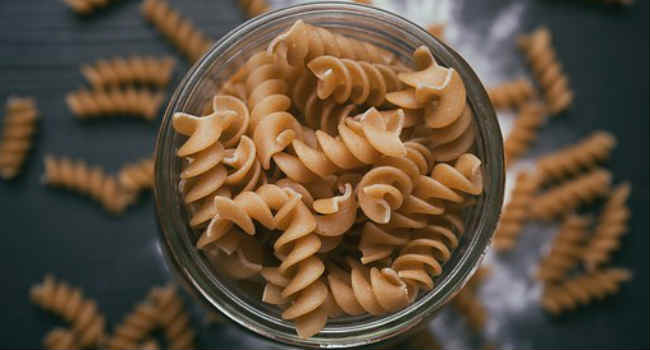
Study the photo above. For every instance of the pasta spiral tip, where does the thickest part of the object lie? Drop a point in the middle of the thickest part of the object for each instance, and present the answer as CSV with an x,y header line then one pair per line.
x,y
137,176
531,117
86,7
20,123
254,8
96,103
511,94
120,71
60,338
516,212
134,327
566,249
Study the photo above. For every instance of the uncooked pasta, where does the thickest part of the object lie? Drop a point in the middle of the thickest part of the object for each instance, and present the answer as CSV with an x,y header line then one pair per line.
x,y
516,212
60,338
254,8
19,126
135,327
173,318
566,249
129,102
350,169
469,305
137,176
135,69
530,118
511,94
86,7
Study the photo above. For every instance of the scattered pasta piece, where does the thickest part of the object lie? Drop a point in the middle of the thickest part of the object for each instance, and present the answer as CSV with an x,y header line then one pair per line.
x,y
20,124
135,69
569,195
92,181
60,338
583,289
468,303
137,176
58,297
173,318
178,29
585,154
86,7
135,327
516,212
566,249
612,224
254,8
541,55
97,103
511,94
437,30
531,117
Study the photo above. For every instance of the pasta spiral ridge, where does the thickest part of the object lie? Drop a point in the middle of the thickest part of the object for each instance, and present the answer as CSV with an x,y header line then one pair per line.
x,y
86,7
449,142
355,81
511,94
173,318
130,101
58,297
137,176
60,338
571,194
612,224
583,289
541,55
254,8
516,212
20,123
128,70
92,181
531,117
178,29
566,249
571,160
468,303
135,326
465,176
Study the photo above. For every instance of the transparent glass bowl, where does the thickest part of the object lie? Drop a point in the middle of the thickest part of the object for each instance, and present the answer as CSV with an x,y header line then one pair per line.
x,y
241,302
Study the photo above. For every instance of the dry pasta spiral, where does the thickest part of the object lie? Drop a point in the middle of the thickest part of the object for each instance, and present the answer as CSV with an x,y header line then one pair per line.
x,y
465,176
137,176
20,124
355,81
85,7
96,103
129,70
178,29
60,338
254,8
469,305
173,318
516,212
566,249
58,297
571,194
450,142
92,181
511,94
542,58
583,289
531,117
583,155
377,243
135,326
612,224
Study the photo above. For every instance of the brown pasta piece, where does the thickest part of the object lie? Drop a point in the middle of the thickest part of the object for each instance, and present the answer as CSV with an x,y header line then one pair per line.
x,y
566,249
468,303
254,8
516,212
173,318
531,117
92,181
132,102
60,338
541,55
178,29
585,154
583,289
437,30
612,224
20,123
58,297
137,176
135,69
86,7
135,327
571,194
511,94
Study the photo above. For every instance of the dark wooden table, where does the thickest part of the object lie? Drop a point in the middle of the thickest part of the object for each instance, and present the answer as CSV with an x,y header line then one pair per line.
x,y
117,259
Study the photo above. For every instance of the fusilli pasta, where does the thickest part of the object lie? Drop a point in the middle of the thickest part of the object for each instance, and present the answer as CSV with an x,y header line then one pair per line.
x,y
531,117
583,289
585,154
254,8
542,58
60,338
88,323
571,194
137,176
566,249
96,103
85,7
516,212
511,94
437,30
173,318
20,124
178,29
135,69
135,327
612,224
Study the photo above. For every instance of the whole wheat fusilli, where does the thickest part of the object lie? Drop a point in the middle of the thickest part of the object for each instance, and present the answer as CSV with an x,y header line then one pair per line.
x,y
135,69
19,125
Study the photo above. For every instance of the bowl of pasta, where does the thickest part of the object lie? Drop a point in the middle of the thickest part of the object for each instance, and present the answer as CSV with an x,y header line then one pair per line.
x,y
328,175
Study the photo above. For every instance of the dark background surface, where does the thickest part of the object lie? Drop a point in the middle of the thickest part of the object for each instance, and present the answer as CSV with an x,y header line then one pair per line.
x,y
117,259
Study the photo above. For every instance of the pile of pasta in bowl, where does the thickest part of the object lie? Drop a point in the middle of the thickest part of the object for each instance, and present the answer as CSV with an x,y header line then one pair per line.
x,y
331,173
